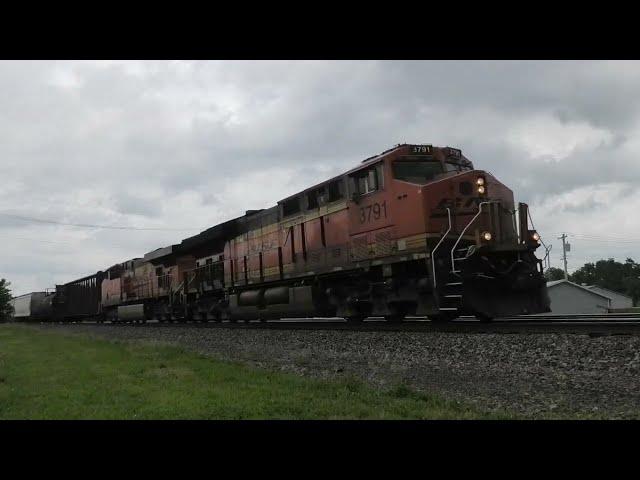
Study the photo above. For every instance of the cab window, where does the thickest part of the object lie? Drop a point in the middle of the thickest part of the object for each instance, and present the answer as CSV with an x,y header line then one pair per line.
x,y
335,190
455,167
327,193
314,198
291,207
367,180
416,171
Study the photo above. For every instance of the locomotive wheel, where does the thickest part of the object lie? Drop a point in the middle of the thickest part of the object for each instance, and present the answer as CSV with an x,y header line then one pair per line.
x,y
395,318
356,319
203,317
442,317
398,312
484,318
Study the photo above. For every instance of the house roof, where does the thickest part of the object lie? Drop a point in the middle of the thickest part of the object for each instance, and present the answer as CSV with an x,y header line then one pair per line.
x,y
604,290
558,282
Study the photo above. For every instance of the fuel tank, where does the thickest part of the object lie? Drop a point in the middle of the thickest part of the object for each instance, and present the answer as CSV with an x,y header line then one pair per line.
x,y
131,312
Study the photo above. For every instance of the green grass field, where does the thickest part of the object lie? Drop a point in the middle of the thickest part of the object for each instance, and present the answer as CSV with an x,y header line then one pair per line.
x,y
45,375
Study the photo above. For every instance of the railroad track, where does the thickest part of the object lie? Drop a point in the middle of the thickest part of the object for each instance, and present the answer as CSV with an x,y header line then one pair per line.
x,y
595,325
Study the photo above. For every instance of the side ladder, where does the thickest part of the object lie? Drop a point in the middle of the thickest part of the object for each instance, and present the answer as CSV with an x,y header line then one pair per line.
x,y
450,299
449,295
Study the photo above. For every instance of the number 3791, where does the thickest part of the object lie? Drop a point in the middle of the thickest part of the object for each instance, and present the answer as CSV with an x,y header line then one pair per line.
x,y
374,211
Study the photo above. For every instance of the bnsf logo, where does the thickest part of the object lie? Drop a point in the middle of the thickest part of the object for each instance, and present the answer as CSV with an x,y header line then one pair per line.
x,y
457,203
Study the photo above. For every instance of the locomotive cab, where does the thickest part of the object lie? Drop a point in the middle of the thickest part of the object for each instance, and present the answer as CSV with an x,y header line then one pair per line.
x,y
461,222
423,164
483,262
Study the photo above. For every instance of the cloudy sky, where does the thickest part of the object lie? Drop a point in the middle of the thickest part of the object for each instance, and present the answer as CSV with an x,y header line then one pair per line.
x,y
180,146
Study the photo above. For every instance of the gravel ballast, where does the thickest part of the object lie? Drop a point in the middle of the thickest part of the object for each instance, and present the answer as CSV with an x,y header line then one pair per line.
x,y
532,375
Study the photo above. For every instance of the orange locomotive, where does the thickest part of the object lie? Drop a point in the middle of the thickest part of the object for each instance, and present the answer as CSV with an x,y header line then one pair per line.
x,y
412,231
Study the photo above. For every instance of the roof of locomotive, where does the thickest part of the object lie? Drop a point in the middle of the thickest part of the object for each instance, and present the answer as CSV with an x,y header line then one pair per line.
x,y
217,233
440,153
255,218
159,252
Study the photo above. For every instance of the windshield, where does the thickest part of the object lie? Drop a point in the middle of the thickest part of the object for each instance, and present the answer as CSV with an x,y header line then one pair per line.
x,y
421,171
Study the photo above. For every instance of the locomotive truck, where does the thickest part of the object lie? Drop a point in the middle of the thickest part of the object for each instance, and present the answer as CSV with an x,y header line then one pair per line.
x,y
415,230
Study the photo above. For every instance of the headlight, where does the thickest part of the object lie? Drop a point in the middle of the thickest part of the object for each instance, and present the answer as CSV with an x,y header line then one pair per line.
x,y
487,236
480,181
481,189
535,236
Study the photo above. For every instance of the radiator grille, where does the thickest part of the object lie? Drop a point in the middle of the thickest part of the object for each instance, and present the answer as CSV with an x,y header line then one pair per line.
x,y
384,244
314,258
359,248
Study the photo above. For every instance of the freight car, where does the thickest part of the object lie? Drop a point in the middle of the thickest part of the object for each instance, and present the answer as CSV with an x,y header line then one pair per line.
x,y
78,299
415,230
35,306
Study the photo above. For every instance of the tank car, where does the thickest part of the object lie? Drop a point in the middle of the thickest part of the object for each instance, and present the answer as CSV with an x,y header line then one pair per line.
x,y
35,306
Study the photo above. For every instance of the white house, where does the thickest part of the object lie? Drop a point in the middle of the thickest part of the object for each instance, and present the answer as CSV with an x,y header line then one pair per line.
x,y
568,297
618,300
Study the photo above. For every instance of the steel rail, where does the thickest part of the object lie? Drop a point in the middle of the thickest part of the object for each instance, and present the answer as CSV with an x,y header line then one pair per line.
x,y
585,325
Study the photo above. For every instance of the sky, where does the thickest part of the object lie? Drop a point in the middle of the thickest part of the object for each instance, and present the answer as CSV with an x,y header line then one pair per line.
x,y
169,148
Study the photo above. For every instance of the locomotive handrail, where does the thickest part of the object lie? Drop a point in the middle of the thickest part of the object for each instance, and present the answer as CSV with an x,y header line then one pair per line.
x,y
433,258
453,249
547,249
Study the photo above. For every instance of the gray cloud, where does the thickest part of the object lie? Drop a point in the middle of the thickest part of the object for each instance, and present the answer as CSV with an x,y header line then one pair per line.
x,y
190,144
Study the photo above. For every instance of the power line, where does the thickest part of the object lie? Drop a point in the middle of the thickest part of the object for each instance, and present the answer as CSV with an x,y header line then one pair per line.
x,y
612,237
88,225
618,242
76,243
40,241
609,239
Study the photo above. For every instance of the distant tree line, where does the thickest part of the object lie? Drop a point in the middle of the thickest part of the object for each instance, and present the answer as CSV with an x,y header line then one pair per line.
x,y
619,277
6,309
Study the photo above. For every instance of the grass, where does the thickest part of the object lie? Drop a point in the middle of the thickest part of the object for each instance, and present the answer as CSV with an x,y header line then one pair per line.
x,y
46,375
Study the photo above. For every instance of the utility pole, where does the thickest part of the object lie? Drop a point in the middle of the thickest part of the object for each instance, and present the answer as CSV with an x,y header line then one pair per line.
x,y
565,247
547,255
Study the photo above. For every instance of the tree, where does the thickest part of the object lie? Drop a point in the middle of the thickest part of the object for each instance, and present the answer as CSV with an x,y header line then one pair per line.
x,y
6,309
585,274
632,286
554,273
619,277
